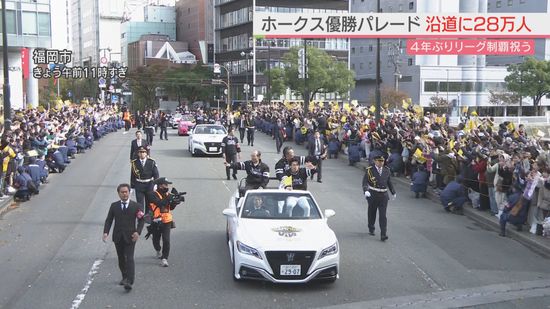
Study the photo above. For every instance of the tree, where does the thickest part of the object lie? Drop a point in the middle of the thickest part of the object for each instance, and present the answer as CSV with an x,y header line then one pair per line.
x,y
389,97
530,78
440,105
277,82
503,98
143,82
324,73
187,83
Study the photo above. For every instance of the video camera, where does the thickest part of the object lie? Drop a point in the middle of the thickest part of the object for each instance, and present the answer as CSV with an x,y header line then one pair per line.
x,y
177,196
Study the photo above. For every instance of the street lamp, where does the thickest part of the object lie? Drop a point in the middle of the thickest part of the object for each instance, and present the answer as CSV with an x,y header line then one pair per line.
x,y
246,86
377,91
228,84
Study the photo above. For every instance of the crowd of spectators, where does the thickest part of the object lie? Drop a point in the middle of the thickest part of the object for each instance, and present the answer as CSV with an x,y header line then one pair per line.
x,y
43,141
477,162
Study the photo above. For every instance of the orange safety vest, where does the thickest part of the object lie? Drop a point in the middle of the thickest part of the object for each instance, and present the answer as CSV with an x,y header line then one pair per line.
x,y
126,116
166,217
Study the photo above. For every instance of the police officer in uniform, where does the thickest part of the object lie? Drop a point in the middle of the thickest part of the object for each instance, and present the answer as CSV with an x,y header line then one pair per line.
x,y
231,151
161,205
283,165
376,184
257,171
242,126
143,171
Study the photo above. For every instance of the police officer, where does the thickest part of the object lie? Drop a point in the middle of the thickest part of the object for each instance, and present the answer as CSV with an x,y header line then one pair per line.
x,y
149,127
283,165
143,171
161,205
376,184
231,151
242,126
296,177
250,127
257,171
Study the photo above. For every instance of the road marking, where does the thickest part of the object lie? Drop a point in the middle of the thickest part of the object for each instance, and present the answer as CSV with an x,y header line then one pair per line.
x,y
427,277
91,274
225,184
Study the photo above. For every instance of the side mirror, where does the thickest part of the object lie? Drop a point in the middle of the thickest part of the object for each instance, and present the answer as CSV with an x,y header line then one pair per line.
x,y
329,213
229,212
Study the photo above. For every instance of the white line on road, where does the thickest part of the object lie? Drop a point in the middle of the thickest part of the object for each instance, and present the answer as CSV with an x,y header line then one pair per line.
x,y
225,184
427,277
91,274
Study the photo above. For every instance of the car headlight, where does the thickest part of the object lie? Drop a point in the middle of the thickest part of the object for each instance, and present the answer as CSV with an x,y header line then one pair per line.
x,y
329,251
248,250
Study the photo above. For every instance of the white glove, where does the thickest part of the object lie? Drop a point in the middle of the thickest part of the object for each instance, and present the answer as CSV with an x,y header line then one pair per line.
x,y
367,194
393,197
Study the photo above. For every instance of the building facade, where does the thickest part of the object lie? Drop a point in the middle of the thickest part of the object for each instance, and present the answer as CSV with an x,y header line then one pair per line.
x,y
246,58
195,25
157,20
28,25
158,49
542,46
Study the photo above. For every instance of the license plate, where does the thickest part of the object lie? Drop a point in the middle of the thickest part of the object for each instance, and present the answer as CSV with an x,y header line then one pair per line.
x,y
291,270
212,148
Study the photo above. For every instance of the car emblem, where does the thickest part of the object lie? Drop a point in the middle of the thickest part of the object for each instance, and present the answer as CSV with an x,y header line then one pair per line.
x,y
290,257
287,231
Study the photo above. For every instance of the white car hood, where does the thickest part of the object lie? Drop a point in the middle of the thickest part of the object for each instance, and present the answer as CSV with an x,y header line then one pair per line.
x,y
286,234
208,138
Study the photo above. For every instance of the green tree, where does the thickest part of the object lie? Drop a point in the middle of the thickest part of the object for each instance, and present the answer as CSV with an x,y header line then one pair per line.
x,y
503,98
143,83
188,83
324,73
531,78
277,83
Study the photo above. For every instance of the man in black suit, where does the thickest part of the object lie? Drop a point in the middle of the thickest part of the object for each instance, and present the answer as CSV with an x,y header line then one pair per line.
x,y
138,142
125,233
317,147
143,171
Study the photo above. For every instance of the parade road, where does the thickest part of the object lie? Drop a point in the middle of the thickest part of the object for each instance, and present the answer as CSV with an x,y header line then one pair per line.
x,y
52,255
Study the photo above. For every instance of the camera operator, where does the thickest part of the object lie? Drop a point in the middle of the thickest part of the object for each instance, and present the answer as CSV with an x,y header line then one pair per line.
x,y
162,202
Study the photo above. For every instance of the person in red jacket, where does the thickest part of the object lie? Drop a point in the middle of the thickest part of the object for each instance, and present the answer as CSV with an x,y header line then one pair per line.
x,y
479,164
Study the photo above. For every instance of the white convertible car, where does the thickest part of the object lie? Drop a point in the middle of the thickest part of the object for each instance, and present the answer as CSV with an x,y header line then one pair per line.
x,y
206,139
280,236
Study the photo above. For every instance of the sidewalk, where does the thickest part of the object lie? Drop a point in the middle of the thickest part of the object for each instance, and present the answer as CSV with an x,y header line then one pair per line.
x,y
536,243
5,205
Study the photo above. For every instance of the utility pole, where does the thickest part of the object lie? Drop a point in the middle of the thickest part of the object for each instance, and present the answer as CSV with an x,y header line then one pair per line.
x,y
306,90
7,102
378,99
269,71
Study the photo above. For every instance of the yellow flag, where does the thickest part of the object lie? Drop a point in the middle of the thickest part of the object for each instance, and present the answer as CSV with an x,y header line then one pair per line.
x,y
460,152
321,104
474,113
287,181
419,110
372,108
365,112
510,126
354,103
465,109
347,107
405,104
418,155
540,133
452,143
335,107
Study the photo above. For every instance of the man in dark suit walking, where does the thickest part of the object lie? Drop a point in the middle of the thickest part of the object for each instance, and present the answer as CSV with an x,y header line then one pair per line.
x,y
125,233
138,142
317,147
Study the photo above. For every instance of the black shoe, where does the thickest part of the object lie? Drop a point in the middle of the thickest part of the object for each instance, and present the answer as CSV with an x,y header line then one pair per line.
x,y
123,281
127,286
234,177
416,195
383,238
371,233
447,209
228,178
319,181
502,234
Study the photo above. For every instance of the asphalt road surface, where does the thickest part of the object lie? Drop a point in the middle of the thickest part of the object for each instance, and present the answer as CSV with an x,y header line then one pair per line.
x,y
52,256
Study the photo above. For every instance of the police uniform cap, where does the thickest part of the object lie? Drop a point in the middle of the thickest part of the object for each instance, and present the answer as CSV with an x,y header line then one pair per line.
x,y
141,148
162,181
379,157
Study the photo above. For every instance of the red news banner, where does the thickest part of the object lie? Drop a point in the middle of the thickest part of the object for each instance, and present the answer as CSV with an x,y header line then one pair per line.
x,y
471,47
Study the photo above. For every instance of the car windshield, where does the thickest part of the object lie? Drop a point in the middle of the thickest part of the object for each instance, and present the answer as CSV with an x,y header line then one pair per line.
x,y
177,116
279,206
210,130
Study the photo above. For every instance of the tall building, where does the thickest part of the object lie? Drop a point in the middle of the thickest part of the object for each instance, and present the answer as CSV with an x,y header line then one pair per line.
x,y
542,46
195,25
96,30
461,80
28,25
157,20
233,39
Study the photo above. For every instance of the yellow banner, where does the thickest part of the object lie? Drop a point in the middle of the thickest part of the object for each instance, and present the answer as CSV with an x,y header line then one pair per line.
x,y
372,109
